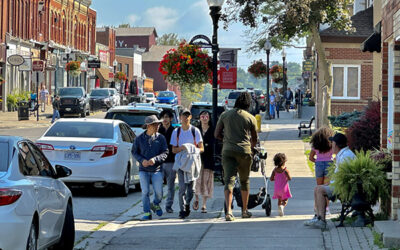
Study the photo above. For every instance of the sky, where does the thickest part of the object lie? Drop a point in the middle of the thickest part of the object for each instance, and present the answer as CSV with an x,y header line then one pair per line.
x,y
186,18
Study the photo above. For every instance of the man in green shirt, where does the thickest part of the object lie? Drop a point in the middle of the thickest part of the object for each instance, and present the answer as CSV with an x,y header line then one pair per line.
x,y
237,129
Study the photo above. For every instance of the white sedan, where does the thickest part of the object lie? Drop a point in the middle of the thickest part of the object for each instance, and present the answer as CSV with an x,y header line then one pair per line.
x,y
98,151
35,206
150,97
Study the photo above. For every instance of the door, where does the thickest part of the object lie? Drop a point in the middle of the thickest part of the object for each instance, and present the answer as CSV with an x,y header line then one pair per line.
x,y
126,145
128,137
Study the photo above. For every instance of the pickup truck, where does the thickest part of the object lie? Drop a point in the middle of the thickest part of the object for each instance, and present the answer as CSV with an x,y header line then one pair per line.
x,y
74,101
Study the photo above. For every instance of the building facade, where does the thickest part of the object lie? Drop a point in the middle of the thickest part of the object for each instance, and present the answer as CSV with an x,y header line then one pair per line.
x,y
138,36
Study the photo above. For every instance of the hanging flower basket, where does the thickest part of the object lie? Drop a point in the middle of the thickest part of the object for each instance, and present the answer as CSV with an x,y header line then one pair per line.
x,y
276,72
120,76
258,69
187,66
73,68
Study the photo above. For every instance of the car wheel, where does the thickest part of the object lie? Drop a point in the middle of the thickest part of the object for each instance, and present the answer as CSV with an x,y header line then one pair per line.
x,y
31,244
88,112
67,238
123,190
61,115
83,114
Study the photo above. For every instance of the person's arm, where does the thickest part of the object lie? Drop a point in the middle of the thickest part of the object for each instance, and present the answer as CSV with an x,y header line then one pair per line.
x,y
254,135
174,142
201,146
272,178
164,152
288,174
218,130
136,153
312,155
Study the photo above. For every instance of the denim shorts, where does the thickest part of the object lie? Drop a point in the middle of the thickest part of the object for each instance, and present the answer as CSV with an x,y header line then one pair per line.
x,y
321,168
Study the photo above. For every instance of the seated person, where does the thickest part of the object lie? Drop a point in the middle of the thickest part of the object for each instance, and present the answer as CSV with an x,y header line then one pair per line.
x,y
321,192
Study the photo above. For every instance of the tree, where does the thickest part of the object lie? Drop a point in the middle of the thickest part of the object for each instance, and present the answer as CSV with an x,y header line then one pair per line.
x,y
170,39
124,25
284,21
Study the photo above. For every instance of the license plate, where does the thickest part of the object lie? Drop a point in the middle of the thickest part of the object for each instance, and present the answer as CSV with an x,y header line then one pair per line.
x,y
68,101
74,156
68,109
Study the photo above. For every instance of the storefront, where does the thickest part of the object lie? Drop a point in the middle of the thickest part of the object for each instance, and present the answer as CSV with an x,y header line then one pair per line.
x,y
2,75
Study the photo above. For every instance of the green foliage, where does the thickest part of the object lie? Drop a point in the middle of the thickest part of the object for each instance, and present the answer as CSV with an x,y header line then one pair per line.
x,y
124,25
365,170
191,95
170,39
12,100
345,119
378,239
17,96
311,103
310,164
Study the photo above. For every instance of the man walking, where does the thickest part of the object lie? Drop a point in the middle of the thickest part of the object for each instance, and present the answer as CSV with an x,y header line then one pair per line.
x,y
56,108
289,98
187,143
237,129
43,97
166,130
277,101
150,149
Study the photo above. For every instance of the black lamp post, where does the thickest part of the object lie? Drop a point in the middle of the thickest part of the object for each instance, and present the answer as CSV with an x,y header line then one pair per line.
x,y
284,70
67,52
215,8
267,47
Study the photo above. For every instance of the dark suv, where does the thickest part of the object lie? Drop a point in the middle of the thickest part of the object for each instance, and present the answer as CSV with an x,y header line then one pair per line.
x,y
74,101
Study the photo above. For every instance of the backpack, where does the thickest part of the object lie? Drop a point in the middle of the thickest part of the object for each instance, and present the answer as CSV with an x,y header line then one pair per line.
x,y
193,129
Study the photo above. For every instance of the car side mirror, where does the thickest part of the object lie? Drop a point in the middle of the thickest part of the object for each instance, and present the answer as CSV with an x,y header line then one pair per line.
x,y
62,171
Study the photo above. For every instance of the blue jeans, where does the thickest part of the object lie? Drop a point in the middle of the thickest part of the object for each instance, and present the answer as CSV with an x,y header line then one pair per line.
x,y
157,181
56,115
170,175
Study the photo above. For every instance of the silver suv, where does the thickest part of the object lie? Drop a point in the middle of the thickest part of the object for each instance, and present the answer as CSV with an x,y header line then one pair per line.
x,y
234,94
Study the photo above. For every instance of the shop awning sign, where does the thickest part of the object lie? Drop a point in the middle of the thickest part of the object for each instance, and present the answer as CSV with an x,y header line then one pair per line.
x,y
15,60
38,65
308,65
27,65
94,64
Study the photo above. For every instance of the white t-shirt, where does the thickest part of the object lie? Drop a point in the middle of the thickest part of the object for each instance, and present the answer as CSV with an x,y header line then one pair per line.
x,y
185,136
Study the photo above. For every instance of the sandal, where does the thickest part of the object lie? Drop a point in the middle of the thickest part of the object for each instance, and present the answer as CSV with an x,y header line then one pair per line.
x,y
246,214
195,205
229,217
204,210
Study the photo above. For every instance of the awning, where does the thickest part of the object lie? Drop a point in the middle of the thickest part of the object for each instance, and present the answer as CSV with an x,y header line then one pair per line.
x,y
103,73
373,42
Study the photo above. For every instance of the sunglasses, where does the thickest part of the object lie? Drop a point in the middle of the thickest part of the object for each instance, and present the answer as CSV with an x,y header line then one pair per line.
x,y
204,116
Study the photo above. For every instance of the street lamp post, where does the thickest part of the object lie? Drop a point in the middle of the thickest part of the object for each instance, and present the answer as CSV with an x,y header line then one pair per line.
x,y
284,70
67,52
115,63
267,47
215,8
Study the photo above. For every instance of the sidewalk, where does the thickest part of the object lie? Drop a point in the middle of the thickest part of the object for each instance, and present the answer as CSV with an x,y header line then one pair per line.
x,y
211,231
9,120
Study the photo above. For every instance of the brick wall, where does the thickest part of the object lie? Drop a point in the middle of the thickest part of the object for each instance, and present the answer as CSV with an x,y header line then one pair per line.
x,y
124,60
107,37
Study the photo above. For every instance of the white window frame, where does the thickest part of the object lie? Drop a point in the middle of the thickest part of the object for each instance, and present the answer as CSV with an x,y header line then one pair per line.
x,y
346,66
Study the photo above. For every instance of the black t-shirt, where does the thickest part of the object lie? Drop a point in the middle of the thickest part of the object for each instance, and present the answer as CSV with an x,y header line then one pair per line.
x,y
167,133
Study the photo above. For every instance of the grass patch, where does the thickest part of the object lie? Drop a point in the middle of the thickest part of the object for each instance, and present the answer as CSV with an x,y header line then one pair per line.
x,y
348,221
310,164
306,139
378,239
339,130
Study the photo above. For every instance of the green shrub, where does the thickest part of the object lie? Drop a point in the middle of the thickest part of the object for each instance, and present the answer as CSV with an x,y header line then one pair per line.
x,y
12,100
345,119
362,169
311,103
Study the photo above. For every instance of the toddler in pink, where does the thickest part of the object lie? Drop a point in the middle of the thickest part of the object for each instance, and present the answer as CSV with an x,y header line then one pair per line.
x,y
281,177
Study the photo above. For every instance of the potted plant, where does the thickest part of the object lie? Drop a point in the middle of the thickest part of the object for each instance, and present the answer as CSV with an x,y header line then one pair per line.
x,y
73,68
360,181
276,72
11,102
120,76
258,69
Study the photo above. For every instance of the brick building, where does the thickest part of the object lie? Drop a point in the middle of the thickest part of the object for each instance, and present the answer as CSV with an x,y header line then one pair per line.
x,y
139,36
42,30
107,36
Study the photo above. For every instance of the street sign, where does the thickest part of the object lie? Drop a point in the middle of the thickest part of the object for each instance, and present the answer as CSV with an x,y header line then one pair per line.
x,y
27,65
67,57
308,65
38,65
15,60
111,76
228,68
94,64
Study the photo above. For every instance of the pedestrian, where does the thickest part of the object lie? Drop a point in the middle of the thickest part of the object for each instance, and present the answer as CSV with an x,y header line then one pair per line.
x,y
298,97
289,98
237,129
272,105
277,101
321,154
308,94
281,177
169,174
43,94
187,144
56,108
204,186
321,192
150,150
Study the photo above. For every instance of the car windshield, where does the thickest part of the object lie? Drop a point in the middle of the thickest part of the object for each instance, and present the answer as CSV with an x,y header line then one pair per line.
x,y
4,157
149,94
82,130
70,92
258,92
134,119
166,94
233,95
99,92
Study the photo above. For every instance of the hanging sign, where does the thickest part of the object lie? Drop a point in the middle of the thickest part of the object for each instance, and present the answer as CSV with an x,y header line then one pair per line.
x,y
308,65
15,60
38,65
27,65
228,68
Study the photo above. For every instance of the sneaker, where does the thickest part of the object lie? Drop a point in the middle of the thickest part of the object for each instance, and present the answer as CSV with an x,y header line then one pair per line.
x,y
182,214
246,214
187,210
280,210
169,210
158,210
229,217
312,221
146,216
319,224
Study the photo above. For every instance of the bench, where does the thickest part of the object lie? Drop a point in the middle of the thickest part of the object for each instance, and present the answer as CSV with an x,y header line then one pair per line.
x,y
306,125
33,110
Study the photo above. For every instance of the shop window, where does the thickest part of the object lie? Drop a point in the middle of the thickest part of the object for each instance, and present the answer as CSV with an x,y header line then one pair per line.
x,y
346,81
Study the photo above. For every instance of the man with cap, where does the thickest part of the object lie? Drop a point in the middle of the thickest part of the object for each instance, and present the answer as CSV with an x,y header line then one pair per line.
x,y
186,134
150,149
321,192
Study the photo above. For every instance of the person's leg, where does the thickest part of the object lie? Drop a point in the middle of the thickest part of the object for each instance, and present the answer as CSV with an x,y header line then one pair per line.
x,y
245,161
182,189
54,116
204,203
57,114
320,196
284,202
145,186
170,175
157,182
189,195
229,164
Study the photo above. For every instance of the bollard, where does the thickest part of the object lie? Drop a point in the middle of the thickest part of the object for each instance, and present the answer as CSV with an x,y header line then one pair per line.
x,y
258,118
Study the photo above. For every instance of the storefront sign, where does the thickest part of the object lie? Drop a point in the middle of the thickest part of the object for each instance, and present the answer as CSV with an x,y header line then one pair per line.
x,y
84,66
94,64
103,56
27,65
38,65
111,76
15,60
308,65
51,60
228,68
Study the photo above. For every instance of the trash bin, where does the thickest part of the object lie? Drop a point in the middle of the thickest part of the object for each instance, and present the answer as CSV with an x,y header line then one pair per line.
x,y
23,110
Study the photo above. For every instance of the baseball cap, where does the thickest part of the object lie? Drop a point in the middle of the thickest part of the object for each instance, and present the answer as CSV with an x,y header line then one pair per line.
x,y
339,139
185,112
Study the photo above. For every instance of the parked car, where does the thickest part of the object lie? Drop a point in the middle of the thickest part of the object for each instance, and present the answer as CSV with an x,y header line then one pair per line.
x,y
97,150
35,206
74,100
197,107
171,107
234,94
167,97
150,97
116,97
133,115
101,99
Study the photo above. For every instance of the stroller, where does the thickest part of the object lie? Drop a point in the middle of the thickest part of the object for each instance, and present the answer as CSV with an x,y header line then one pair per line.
x,y
262,197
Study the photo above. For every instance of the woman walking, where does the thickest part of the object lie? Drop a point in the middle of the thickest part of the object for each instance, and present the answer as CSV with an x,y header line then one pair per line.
x,y
205,183
272,105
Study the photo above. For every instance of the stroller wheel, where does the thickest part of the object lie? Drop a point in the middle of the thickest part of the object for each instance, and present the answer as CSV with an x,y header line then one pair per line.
x,y
268,206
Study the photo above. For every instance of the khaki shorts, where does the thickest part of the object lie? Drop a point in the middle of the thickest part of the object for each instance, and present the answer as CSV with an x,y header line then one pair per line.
x,y
234,162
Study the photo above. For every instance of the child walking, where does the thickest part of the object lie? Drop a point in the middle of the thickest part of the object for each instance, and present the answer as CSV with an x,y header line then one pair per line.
x,y
281,176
